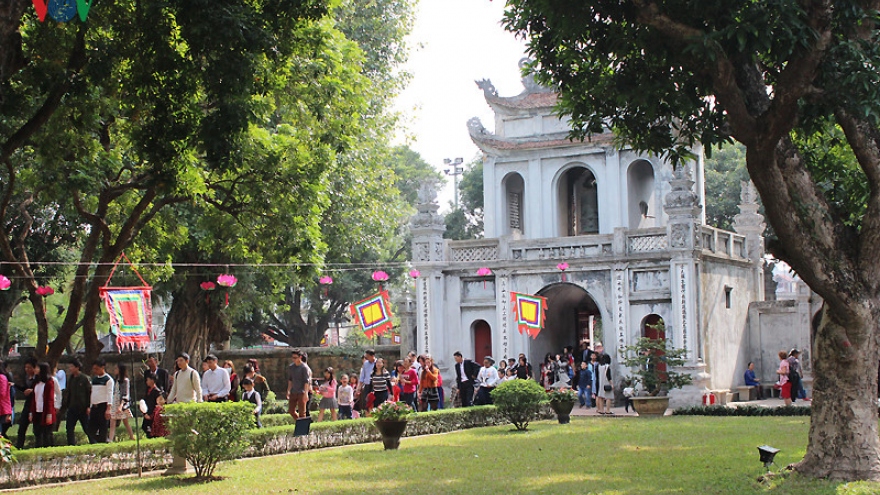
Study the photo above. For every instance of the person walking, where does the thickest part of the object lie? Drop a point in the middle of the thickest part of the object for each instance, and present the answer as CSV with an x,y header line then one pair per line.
x,y
794,376
261,386
585,385
151,400
784,382
487,379
299,378
380,379
78,400
42,406
252,396
101,399
605,394
364,385
26,388
428,384
5,399
466,372
121,407
215,382
187,386
162,379
409,383
229,366
328,396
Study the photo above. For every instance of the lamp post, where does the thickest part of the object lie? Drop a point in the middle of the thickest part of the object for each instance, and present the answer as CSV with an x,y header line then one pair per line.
x,y
454,169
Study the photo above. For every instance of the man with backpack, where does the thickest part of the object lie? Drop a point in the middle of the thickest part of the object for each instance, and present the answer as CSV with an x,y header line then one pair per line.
x,y
187,385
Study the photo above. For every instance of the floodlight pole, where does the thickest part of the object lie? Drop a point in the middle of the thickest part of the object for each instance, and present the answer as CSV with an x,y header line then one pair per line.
x,y
454,168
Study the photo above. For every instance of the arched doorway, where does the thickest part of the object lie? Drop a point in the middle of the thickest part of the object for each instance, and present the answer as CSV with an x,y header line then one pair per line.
x,y
482,340
640,188
578,197
653,327
572,317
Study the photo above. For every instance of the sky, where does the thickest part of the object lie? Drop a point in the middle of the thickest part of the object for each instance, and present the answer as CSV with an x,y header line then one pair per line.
x,y
454,43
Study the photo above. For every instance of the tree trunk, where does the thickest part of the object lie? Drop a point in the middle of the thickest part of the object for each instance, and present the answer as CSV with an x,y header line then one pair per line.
x,y
844,442
195,320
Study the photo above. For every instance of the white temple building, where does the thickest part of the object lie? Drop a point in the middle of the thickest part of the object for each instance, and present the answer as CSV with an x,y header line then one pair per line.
x,y
632,231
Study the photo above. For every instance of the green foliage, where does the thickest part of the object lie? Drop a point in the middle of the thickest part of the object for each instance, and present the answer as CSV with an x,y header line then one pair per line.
x,y
654,364
562,395
209,432
7,456
742,411
391,411
519,401
725,171
466,221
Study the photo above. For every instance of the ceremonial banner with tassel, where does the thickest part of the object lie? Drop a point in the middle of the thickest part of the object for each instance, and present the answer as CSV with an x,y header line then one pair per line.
x,y
373,314
529,312
130,310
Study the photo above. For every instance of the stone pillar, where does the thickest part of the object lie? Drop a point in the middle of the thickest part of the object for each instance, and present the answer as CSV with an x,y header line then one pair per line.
x,y
751,224
429,257
406,312
684,211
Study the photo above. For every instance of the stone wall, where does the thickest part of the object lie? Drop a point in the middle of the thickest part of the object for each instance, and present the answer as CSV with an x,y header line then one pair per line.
x,y
273,362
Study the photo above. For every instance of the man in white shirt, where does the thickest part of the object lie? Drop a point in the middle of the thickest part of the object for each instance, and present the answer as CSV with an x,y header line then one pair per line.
x,y
487,379
187,385
101,398
215,382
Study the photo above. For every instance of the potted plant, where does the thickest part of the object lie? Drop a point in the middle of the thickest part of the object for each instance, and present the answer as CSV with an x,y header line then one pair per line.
x,y
390,419
562,402
654,363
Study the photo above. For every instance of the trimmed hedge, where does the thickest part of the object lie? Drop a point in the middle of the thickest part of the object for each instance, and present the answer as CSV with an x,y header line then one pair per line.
x,y
742,411
52,464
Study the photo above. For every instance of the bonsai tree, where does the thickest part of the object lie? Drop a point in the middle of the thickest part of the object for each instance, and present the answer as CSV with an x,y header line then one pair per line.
x,y
654,363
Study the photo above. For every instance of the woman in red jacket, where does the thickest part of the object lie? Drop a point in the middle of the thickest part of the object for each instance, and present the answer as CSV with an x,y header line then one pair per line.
x,y
42,408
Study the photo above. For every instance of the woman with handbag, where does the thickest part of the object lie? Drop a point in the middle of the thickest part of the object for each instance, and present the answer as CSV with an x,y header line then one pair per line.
x,y
605,394
121,407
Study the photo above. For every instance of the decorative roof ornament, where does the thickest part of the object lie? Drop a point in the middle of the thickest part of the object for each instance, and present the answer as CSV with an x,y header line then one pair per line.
x,y
682,194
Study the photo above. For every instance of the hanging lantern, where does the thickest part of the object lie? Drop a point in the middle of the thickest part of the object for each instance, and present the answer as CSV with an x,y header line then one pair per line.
x,y
562,267
208,285
227,280
5,284
484,272
45,291
415,273
380,276
325,281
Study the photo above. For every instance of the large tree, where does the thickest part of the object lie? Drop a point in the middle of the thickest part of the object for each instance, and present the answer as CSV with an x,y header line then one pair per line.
x,y
142,107
779,77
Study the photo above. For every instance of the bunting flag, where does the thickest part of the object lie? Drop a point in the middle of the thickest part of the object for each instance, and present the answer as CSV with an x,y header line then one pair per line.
x,y
530,312
131,315
373,314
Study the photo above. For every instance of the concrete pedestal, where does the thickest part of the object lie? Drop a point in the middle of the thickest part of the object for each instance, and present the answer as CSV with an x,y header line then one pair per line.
x,y
178,466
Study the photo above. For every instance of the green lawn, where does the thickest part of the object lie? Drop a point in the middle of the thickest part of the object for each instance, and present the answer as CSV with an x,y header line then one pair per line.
x,y
609,456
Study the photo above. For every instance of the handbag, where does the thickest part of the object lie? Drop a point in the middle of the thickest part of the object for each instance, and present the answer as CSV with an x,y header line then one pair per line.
x,y
607,388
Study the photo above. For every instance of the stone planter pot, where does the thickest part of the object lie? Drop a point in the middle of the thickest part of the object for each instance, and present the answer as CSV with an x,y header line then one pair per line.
x,y
650,406
562,410
391,432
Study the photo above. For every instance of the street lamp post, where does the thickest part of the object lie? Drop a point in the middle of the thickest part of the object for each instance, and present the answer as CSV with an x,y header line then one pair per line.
x,y
454,169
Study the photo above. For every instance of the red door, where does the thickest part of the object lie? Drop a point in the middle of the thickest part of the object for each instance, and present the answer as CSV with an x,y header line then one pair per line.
x,y
652,332
482,340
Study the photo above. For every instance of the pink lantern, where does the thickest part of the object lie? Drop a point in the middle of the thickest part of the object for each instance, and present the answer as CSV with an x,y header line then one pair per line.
x,y
484,272
207,285
562,267
227,280
5,284
325,280
45,291
415,273
380,276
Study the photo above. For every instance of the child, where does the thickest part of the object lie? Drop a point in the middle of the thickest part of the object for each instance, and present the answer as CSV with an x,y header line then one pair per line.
x,y
151,398
252,396
158,427
328,395
345,396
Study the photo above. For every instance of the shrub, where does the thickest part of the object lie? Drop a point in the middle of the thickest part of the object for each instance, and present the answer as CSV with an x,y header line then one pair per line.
x,y
209,432
562,395
742,411
519,401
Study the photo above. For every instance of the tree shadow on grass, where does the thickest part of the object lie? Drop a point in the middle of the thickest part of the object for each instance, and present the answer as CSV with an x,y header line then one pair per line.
x,y
160,482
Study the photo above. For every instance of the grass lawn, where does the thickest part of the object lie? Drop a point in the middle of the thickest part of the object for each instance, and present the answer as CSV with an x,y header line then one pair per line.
x,y
610,456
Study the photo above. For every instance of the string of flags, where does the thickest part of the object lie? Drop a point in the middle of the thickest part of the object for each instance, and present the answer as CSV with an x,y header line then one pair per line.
x,y
62,10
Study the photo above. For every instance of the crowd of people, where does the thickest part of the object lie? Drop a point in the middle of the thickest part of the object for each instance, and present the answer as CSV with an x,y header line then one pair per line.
x,y
101,403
